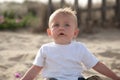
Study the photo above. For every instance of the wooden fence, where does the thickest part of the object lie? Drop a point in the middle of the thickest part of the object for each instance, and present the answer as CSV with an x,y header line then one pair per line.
x,y
89,10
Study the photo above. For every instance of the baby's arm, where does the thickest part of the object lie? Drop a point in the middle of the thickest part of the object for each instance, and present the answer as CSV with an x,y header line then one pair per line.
x,y
101,68
31,73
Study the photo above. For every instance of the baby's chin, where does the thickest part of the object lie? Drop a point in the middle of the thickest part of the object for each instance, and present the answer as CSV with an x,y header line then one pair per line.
x,y
62,42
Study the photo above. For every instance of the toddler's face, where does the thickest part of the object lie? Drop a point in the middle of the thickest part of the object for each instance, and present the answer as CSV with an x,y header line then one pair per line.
x,y
63,28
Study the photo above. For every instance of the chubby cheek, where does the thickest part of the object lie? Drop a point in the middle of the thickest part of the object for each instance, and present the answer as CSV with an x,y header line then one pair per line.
x,y
54,33
73,33
50,32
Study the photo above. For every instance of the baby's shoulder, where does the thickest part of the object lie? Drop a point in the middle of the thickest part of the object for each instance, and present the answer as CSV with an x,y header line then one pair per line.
x,y
78,43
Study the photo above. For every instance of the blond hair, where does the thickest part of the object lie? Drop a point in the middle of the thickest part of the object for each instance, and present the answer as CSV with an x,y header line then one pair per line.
x,y
66,11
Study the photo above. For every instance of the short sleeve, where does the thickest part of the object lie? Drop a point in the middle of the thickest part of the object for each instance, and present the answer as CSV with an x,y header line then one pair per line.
x,y
39,59
89,60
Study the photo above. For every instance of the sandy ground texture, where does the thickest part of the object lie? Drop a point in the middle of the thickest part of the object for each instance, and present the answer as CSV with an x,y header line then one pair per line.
x,y
18,50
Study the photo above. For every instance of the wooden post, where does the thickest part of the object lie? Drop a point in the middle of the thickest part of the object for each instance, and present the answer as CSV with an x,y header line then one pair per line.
x,y
103,12
76,7
117,13
50,9
117,8
89,17
62,3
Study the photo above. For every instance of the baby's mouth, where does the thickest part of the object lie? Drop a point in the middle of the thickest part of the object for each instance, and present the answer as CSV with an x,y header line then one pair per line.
x,y
61,34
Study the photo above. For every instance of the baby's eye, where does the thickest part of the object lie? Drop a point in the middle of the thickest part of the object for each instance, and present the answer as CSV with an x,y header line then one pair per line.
x,y
67,25
56,25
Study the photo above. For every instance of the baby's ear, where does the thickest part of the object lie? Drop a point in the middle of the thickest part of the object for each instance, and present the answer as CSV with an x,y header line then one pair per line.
x,y
76,33
49,32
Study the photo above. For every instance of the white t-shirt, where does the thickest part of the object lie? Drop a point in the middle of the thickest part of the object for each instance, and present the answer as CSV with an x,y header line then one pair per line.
x,y
64,62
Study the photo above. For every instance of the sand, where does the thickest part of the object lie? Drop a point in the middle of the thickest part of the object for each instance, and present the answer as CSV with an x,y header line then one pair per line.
x,y
18,50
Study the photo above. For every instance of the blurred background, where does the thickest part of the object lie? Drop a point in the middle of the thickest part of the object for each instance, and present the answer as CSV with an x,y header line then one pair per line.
x,y
33,14
23,25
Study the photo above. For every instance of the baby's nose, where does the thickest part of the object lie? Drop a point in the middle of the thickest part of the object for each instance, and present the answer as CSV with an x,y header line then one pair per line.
x,y
61,27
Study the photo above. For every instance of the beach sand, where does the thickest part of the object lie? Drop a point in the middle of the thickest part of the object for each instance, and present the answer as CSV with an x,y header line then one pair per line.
x,y
18,50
